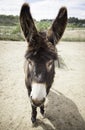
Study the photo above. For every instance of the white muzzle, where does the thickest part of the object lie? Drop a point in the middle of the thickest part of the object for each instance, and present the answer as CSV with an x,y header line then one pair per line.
x,y
38,91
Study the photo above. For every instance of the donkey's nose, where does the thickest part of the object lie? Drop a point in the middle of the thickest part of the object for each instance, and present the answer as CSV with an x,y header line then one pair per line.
x,y
40,78
37,102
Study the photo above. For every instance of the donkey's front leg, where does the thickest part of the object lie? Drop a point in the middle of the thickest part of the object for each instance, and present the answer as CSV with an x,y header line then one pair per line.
x,y
42,111
34,114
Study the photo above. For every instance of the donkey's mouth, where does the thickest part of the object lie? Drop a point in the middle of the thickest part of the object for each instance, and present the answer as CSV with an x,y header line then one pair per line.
x,y
36,102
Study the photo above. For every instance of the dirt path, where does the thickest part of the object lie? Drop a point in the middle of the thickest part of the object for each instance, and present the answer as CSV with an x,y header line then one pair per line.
x,y
66,102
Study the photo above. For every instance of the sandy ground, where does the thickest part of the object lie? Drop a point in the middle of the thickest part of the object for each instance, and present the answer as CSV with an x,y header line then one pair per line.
x,y
65,109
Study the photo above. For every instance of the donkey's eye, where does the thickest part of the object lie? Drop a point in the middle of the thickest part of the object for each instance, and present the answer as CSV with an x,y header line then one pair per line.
x,y
30,64
49,65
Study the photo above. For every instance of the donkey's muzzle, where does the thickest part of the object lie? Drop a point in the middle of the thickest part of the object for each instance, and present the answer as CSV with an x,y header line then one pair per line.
x,y
38,93
37,102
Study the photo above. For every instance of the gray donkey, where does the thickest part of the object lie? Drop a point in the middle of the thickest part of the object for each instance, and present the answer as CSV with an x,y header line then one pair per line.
x,y
40,56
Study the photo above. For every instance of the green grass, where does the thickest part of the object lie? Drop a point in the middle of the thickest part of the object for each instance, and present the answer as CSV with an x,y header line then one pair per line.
x,y
10,33
72,33
44,25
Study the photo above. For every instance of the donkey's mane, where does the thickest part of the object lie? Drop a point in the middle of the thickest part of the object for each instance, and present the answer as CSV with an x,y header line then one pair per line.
x,y
44,49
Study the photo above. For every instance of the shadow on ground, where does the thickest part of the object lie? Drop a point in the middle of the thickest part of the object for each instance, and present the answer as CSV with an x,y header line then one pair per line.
x,y
62,113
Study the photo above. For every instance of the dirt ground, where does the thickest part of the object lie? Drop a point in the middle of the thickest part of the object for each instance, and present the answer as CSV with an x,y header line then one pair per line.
x,y
65,108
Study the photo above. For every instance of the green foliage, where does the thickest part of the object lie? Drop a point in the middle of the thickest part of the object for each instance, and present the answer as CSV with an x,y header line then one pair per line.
x,y
75,22
43,25
16,29
9,20
10,28
10,33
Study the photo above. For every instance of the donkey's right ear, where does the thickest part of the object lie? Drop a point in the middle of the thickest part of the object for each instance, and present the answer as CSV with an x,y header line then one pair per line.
x,y
27,23
58,27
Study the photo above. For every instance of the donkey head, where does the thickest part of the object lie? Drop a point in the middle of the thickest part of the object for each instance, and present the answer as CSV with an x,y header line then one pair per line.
x,y
41,53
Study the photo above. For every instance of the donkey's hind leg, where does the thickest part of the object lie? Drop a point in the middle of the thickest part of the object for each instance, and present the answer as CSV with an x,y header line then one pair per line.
x,y
34,114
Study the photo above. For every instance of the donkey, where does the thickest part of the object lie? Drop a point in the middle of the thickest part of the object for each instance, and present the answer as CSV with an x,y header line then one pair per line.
x,y
40,56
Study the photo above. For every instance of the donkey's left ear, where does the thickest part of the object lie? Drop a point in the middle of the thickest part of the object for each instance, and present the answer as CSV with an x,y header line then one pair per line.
x,y
27,23
56,31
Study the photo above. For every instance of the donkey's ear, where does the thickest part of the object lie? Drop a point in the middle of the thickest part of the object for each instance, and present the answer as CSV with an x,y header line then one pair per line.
x,y
27,23
56,31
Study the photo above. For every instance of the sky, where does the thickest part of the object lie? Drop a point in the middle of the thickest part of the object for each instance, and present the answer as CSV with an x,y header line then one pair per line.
x,y
44,9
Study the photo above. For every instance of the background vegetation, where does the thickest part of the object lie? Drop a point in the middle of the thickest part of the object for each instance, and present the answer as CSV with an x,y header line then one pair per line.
x,y
10,28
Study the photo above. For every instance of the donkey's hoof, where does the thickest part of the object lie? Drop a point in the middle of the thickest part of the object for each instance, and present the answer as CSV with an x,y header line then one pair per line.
x,y
33,120
34,124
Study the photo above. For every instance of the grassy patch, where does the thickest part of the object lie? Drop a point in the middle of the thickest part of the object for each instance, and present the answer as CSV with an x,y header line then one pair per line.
x,y
44,25
10,33
14,32
76,34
